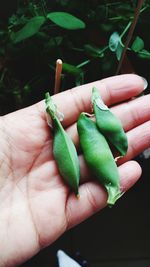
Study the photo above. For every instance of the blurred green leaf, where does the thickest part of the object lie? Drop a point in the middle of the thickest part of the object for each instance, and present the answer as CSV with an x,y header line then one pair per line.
x,y
119,50
114,40
116,45
138,44
71,69
66,20
30,29
15,20
144,54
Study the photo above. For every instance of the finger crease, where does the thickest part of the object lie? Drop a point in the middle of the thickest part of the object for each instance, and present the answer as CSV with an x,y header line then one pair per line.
x,y
91,199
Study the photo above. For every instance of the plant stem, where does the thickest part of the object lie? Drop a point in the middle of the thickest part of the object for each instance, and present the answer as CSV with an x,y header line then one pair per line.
x,y
144,8
88,60
58,76
134,22
126,29
83,63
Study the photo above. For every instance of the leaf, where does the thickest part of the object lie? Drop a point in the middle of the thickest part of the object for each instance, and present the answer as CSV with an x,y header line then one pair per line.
x,y
93,51
116,45
71,69
30,29
138,44
114,40
144,54
66,20
119,50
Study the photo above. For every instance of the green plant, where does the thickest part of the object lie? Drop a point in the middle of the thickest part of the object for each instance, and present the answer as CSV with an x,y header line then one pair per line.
x,y
89,37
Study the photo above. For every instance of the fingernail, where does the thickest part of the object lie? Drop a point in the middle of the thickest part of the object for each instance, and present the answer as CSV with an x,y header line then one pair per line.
x,y
145,83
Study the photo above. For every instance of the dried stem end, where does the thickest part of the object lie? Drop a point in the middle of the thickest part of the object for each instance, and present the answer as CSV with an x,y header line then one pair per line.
x,y
58,76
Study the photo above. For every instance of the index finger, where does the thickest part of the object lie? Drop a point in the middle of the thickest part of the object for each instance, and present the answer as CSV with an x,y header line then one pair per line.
x,y
113,90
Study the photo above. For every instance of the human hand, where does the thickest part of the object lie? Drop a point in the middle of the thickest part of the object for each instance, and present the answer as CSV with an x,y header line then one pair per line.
x,y
36,206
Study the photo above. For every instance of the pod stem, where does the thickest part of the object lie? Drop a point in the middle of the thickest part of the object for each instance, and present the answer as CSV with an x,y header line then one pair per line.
x,y
77,195
113,194
117,158
89,114
51,108
96,99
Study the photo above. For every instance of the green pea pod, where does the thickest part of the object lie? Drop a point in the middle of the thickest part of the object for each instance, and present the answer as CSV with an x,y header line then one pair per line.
x,y
63,149
98,156
109,125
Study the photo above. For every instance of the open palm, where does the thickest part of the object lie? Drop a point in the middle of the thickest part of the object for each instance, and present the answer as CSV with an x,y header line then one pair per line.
x,y
36,206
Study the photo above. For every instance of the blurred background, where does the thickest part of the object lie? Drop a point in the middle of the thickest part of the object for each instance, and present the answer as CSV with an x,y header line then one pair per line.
x,y
90,38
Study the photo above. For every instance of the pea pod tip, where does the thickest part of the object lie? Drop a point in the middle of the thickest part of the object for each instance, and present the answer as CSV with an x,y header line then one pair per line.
x,y
77,195
113,196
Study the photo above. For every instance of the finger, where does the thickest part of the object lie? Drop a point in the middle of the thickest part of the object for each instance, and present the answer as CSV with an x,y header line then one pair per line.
x,y
93,197
114,89
133,113
139,140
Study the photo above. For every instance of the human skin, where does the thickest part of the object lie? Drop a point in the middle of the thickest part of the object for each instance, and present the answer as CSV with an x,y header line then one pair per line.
x,y
36,206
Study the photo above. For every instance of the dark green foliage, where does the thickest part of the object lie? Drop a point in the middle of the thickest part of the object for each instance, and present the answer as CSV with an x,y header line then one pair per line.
x,y
31,28
66,20
89,37
137,45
